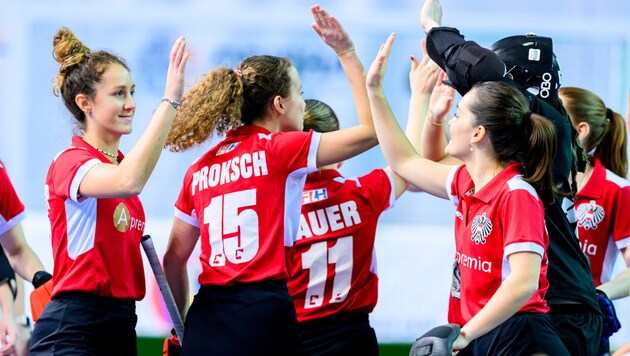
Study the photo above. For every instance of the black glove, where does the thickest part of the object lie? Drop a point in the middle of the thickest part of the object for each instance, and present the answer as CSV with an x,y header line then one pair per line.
x,y
436,342
40,278
611,322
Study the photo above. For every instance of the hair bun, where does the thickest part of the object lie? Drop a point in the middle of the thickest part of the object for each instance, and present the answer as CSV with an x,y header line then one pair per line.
x,y
68,51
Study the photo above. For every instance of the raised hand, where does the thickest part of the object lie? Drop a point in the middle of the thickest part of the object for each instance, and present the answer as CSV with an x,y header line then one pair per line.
x,y
423,75
430,15
441,99
376,73
175,77
331,31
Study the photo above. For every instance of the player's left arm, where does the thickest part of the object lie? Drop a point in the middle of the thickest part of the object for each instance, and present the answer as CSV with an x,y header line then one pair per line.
x,y
516,289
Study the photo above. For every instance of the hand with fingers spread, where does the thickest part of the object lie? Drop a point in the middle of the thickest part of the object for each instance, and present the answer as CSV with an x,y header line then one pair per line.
x,y
331,31
441,100
423,74
376,73
430,15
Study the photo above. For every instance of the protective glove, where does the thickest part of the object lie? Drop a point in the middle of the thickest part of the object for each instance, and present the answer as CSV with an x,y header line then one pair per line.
x,y
611,322
172,347
42,282
436,342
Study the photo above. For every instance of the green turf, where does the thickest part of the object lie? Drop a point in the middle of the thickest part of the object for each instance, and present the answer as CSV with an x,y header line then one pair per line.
x,y
150,346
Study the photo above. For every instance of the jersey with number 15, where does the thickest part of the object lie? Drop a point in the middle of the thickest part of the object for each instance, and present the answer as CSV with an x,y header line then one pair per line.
x,y
244,195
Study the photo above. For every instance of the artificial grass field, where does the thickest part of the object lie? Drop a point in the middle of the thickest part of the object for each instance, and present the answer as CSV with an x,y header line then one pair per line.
x,y
151,346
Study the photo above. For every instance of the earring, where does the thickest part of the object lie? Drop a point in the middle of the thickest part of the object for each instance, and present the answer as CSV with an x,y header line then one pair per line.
x,y
470,147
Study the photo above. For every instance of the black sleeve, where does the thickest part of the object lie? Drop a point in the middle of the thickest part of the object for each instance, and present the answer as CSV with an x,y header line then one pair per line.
x,y
465,62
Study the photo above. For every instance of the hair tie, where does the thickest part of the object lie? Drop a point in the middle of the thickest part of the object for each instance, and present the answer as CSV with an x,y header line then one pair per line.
x,y
528,116
238,73
609,114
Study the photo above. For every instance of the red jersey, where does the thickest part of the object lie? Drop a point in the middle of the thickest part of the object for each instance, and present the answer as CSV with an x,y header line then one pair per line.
x,y
504,217
11,208
603,226
95,241
334,266
245,194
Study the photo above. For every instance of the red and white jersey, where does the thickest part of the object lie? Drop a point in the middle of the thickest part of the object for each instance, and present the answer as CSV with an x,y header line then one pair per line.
x,y
11,208
245,195
506,216
95,241
603,221
334,265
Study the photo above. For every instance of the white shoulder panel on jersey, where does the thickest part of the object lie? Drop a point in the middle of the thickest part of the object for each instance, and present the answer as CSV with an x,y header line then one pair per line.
x,y
517,182
449,183
78,177
612,177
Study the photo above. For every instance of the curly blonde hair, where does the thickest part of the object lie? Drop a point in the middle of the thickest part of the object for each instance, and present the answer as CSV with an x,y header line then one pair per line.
x,y
79,69
227,98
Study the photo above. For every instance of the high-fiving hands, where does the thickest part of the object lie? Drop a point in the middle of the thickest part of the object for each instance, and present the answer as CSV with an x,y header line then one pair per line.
x,y
331,31
376,73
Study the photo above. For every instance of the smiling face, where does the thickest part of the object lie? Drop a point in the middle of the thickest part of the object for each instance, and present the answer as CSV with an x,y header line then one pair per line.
x,y
293,105
110,112
461,128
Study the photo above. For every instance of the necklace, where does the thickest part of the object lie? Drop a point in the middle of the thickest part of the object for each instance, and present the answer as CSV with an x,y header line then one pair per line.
x,y
105,152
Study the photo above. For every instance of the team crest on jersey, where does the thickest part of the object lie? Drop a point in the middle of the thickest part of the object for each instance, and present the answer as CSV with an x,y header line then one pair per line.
x,y
589,215
227,148
311,196
481,228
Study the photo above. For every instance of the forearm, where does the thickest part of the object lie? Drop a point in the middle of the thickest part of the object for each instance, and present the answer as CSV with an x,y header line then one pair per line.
x,y
618,287
514,291
139,163
26,264
6,302
18,304
505,302
22,258
433,140
355,72
418,109
176,274
396,147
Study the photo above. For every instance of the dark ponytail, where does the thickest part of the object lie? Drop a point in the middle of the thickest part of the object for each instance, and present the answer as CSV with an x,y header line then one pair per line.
x,y
516,134
538,156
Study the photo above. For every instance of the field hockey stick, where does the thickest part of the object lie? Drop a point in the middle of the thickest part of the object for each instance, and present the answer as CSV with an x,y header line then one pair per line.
x,y
167,295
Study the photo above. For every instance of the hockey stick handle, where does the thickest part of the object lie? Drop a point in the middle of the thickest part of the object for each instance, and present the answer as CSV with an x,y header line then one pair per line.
x,y
160,277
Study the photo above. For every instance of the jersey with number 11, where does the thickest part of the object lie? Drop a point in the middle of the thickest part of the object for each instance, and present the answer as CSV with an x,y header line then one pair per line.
x,y
244,195
334,268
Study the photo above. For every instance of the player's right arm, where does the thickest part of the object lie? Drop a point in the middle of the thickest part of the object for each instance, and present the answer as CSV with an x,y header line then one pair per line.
x,y
23,260
426,175
181,244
